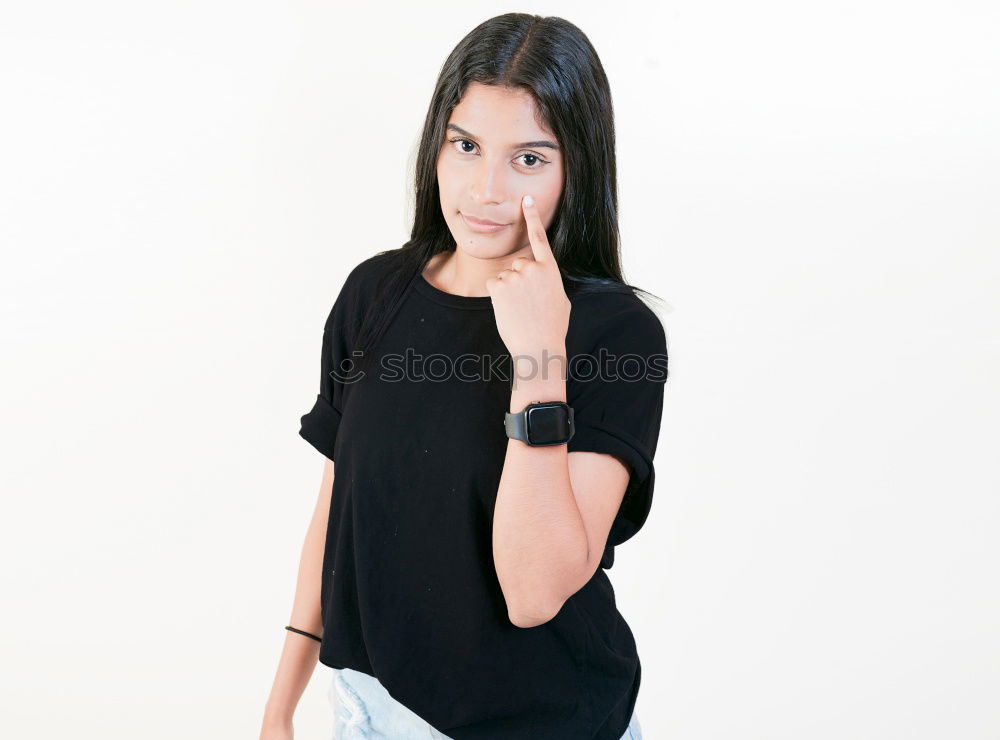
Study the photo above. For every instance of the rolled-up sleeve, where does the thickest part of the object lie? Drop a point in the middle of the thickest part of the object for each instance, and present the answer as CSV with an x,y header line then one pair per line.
x,y
320,424
618,408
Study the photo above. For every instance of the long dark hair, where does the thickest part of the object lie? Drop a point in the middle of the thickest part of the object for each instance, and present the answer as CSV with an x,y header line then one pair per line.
x,y
553,60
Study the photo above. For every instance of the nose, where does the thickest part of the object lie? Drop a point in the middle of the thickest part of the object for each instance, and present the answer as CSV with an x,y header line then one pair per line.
x,y
489,183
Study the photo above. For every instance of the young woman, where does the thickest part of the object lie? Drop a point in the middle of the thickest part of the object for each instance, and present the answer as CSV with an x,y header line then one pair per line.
x,y
490,395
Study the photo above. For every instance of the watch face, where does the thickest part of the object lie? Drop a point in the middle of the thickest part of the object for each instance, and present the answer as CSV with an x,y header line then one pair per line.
x,y
548,425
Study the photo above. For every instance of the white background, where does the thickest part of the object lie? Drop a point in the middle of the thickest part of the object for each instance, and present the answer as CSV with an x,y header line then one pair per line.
x,y
812,188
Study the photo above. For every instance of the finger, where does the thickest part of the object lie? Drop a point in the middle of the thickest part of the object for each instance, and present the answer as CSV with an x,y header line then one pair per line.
x,y
536,231
518,263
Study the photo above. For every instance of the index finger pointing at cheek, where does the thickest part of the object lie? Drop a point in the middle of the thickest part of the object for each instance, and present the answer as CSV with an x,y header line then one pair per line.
x,y
536,231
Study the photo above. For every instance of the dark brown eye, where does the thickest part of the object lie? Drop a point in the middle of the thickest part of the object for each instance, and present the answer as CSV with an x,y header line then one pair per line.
x,y
461,143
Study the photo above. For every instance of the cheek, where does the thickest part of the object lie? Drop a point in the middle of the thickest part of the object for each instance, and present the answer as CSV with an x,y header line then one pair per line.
x,y
548,196
446,183
553,188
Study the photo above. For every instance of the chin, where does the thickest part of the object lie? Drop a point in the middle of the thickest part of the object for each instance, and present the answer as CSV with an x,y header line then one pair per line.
x,y
482,248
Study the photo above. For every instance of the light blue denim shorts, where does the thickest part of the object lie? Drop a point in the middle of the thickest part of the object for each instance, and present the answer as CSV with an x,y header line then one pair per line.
x,y
364,709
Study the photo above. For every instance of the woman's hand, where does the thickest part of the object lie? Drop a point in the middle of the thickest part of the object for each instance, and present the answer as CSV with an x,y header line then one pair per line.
x,y
529,302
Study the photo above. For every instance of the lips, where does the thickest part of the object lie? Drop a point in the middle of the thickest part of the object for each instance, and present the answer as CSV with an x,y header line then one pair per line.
x,y
478,227
481,221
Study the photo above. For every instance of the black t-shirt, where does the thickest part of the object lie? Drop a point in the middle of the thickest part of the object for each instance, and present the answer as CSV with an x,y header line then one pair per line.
x,y
410,593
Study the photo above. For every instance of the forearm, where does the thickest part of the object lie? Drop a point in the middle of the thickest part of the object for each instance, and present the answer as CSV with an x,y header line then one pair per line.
x,y
539,538
300,653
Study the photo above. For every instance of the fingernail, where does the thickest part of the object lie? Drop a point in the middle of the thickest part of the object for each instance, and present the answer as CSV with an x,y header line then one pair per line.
x,y
529,201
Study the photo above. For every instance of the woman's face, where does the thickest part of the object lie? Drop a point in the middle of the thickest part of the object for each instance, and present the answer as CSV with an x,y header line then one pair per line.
x,y
494,152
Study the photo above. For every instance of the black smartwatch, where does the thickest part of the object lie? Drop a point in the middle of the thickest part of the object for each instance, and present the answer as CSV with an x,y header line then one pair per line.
x,y
541,424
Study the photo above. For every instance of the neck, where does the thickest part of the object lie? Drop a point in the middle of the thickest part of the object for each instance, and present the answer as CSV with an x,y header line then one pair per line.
x,y
458,273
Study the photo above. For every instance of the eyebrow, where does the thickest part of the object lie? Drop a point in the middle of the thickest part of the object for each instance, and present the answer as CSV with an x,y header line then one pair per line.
x,y
544,143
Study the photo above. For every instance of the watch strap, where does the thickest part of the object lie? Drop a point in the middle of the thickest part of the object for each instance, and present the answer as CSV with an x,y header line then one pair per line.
x,y
516,425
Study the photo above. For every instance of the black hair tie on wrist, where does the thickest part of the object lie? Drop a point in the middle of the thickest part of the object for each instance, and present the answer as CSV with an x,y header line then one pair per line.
x,y
307,634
